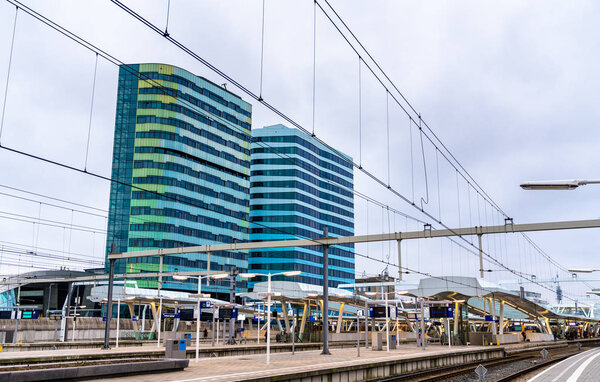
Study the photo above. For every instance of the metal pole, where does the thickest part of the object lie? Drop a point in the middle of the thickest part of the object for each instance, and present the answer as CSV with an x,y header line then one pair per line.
x,y
231,337
293,330
423,341
118,322
357,335
366,325
325,295
198,319
397,328
480,256
399,260
387,324
111,279
269,319
213,326
448,334
65,334
160,268
74,319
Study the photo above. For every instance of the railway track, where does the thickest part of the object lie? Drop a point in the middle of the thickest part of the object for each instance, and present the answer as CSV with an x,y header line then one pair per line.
x,y
451,372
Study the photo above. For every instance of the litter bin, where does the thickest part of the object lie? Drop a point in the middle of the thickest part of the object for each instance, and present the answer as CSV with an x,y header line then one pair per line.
x,y
392,341
188,338
377,341
175,349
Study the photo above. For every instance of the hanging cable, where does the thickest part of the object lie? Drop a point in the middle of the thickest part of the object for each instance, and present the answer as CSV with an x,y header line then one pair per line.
x,y
87,149
412,165
359,113
262,51
188,51
387,124
424,168
458,198
10,57
439,198
166,33
314,83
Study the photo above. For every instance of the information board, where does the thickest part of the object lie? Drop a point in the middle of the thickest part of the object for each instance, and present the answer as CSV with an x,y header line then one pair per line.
x,y
441,312
227,313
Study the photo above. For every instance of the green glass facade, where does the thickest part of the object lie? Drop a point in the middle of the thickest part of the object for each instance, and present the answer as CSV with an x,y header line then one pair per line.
x,y
181,173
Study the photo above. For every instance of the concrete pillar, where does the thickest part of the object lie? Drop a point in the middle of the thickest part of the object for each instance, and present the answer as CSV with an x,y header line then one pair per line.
x,y
502,317
131,307
154,312
303,322
493,314
339,324
286,320
456,317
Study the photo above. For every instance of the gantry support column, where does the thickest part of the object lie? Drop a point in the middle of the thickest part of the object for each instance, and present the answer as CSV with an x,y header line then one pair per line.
x,y
480,255
399,259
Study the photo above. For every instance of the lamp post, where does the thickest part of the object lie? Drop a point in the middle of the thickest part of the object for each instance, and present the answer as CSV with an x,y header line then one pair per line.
x,y
557,184
199,278
269,275
580,270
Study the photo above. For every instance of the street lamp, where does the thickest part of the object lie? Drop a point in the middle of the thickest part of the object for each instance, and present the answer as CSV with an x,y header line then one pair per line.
x,y
269,275
199,278
557,184
583,270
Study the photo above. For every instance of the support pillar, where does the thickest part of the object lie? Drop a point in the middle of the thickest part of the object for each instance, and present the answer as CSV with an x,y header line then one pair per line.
x,y
502,317
325,296
399,241
480,255
286,320
303,322
111,279
339,324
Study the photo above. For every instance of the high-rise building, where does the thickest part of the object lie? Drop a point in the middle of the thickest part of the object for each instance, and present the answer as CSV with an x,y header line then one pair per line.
x,y
181,173
299,186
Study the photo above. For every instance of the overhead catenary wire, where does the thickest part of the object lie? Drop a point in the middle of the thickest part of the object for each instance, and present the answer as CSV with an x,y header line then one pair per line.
x,y
276,111
10,57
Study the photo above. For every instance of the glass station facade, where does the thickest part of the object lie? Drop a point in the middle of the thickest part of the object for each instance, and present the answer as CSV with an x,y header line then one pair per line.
x,y
181,173
298,186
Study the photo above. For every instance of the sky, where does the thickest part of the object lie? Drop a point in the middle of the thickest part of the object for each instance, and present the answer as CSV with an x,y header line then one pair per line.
x,y
508,87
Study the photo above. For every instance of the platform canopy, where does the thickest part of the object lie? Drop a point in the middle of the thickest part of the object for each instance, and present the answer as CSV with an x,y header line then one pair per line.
x,y
473,291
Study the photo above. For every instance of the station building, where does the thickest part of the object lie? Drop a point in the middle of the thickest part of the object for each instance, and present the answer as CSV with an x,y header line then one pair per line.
x,y
298,187
181,173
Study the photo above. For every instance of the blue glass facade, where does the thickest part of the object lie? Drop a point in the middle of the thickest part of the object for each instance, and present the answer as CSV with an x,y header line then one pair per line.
x,y
298,186
184,144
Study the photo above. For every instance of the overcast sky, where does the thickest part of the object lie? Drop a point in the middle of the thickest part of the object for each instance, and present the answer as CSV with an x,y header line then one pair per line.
x,y
508,87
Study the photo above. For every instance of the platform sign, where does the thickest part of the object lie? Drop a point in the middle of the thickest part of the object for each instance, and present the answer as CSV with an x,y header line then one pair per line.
x,y
441,312
103,319
6,314
228,313
30,314
379,312
312,318
134,318
489,318
241,317
205,304
171,315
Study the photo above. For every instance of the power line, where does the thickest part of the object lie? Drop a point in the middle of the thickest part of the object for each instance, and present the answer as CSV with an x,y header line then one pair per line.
x,y
185,49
